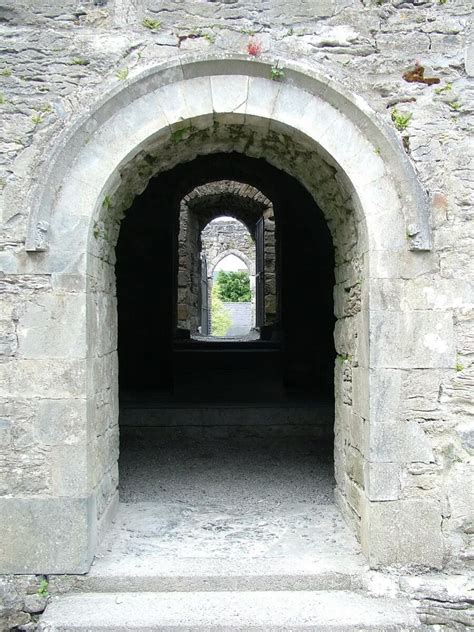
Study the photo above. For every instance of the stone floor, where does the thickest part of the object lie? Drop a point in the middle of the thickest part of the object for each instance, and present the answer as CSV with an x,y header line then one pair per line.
x,y
250,503
227,535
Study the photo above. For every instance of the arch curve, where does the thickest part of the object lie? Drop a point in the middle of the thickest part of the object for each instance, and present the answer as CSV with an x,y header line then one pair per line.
x,y
153,104
242,201
231,251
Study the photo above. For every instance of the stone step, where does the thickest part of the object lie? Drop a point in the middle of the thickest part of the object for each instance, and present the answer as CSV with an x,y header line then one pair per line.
x,y
158,574
332,611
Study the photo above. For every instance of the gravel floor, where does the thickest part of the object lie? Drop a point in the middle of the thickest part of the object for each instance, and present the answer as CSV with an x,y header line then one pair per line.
x,y
238,473
226,500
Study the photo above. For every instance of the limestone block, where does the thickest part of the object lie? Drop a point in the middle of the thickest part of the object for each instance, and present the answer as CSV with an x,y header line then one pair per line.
x,y
355,466
73,283
25,472
436,293
103,373
229,98
47,535
354,495
198,97
385,388
101,276
45,378
358,430
386,294
382,233
69,471
53,326
290,107
61,422
360,392
172,101
401,442
106,318
413,264
382,481
262,95
385,264
403,532
418,339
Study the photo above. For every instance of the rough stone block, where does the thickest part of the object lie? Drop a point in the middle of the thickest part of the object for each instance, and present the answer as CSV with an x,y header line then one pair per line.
x,y
47,535
403,532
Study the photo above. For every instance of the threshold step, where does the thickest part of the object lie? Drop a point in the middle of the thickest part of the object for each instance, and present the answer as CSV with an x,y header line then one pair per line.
x,y
334,611
157,574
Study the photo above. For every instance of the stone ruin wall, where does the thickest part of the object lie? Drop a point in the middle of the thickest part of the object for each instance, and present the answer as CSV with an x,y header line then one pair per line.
x,y
218,238
60,57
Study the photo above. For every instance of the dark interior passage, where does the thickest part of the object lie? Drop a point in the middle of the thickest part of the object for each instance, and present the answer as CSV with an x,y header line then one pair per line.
x,y
216,407
294,365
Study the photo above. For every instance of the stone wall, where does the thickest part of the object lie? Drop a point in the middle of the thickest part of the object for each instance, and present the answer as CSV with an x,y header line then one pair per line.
x,y
218,238
405,371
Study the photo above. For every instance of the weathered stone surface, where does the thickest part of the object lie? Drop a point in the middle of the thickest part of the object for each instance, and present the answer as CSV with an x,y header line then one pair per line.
x,y
52,327
405,523
34,604
445,600
407,315
53,534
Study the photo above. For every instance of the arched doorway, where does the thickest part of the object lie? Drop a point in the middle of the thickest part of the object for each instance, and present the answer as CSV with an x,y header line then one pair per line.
x,y
330,142
233,293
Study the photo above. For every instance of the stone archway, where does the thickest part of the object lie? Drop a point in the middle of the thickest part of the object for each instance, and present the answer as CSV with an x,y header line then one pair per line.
x,y
197,209
358,174
237,253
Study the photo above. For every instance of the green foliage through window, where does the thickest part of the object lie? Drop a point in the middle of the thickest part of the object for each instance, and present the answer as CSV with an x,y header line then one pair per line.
x,y
233,287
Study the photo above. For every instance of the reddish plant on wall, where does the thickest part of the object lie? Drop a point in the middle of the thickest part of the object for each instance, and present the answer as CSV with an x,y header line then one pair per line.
x,y
254,48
